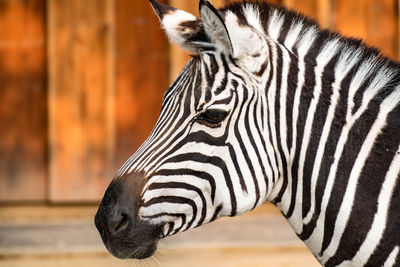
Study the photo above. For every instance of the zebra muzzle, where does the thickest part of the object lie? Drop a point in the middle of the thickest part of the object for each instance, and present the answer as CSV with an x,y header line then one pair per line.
x,y
124,234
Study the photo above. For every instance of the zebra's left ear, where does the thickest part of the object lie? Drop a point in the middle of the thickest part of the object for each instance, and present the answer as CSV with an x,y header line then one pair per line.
x,y
215,27
183,28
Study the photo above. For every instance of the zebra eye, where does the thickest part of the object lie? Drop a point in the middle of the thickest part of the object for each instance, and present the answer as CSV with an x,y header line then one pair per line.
x,y
212,117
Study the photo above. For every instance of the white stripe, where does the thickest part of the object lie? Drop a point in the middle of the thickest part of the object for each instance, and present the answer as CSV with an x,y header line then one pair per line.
x,y
327,53
348,199
258,169
374,235
282,126
149,162
345,63
391,260
315,240
293,34
271,121
275,24
253,17
166,206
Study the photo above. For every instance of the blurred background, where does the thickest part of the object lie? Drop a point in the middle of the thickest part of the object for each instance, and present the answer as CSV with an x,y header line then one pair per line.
x,y
81,83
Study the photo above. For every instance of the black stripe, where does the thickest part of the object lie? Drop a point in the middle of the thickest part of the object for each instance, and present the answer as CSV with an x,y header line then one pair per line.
x,y
254,145
216,212
267,88
355,140
321,112
368,190
292,81
175,199
181,172
285,29
264,147
277,106
239,139
186,113
187,187
328,155
307,93
216,161
390,238
196,87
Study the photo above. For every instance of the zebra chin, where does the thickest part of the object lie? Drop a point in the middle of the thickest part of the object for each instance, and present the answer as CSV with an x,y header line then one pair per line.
x,y
125,235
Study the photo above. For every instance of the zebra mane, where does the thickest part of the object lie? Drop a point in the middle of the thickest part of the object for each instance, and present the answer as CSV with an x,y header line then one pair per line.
x,y
270,13
282,24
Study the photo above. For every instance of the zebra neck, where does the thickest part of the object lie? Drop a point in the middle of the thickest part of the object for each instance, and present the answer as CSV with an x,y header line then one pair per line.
x,y
329,103
315,84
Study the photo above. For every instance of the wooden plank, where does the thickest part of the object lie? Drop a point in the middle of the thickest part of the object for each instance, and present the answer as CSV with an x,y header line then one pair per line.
x,y
81,87
278,2
382,26
193,257
325,13
22,100
350,18
373,20
307,7
320,10
398,29
142,74
259,238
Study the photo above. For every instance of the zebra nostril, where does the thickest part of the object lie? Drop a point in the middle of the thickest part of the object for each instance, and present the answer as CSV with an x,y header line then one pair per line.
x,y
119,224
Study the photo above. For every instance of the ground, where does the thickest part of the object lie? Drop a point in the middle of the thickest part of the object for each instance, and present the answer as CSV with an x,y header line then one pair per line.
x,y
65,236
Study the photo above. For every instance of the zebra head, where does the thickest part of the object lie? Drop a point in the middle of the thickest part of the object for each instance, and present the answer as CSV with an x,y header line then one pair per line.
x,y
201,160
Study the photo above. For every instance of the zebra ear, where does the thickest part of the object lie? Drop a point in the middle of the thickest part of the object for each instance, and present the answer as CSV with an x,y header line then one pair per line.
x,y
230,36
215,27
182,28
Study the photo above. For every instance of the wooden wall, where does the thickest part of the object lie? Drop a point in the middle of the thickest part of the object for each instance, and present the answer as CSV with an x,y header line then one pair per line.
x,y
81,83
23,134
375,21
81,87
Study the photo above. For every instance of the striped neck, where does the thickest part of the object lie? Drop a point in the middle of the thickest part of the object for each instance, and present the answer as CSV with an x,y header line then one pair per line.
x,y
313,79
318,87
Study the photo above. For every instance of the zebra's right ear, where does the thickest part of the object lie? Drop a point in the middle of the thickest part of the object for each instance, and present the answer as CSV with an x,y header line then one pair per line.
x,y
183,28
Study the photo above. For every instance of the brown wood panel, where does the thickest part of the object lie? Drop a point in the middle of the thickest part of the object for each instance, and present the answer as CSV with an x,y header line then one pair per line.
x,y
308,7
278,2
142,75
109,64
22,100
376,21
81,67
320,10
398,29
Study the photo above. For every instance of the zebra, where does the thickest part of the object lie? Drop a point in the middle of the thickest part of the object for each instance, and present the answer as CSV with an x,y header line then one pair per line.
x,y
270,108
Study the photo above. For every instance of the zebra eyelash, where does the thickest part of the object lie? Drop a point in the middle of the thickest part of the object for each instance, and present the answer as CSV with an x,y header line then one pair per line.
x,y
211,117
